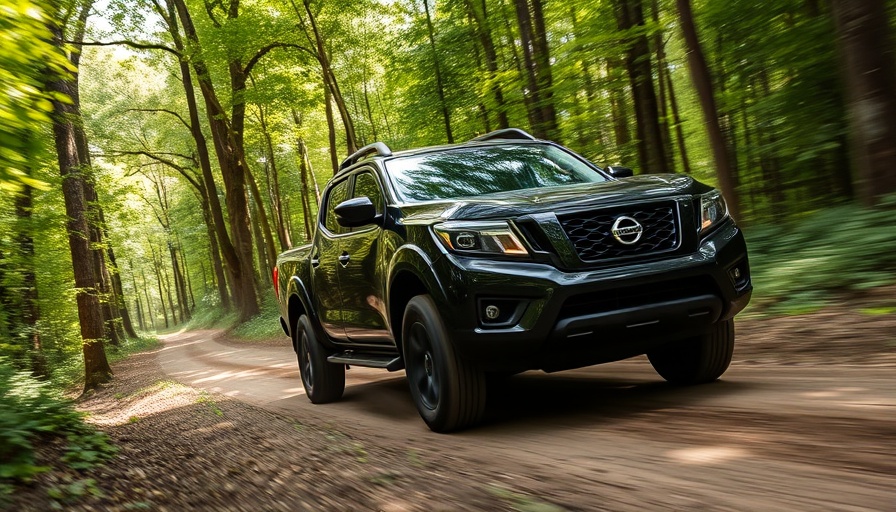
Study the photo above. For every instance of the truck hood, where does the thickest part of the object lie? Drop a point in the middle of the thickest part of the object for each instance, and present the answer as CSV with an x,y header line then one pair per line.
x,y
530,201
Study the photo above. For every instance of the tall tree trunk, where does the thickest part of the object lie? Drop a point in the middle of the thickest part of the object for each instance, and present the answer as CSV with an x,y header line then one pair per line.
x,y
186,273
140,318
215,251
544,74
621,131
267,238
651,151
119,292
210,190
171,305
329,77
101,271
305,170
539,80
866,47
368,108
230,161
703,84
662,71
180,285
483,31
90,317
331,129
440,86
157,268
260,250
274,184
149,312
676,120
24,234
532,91
139,309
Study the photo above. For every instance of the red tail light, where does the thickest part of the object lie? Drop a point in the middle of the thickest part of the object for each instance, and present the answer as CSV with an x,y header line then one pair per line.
x,y
276,283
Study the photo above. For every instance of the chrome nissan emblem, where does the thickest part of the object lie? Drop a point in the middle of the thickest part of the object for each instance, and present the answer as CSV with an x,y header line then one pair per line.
x,y
626,230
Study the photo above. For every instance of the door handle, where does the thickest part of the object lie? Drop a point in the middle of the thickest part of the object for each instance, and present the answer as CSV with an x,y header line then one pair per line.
x,y
344,259
315,262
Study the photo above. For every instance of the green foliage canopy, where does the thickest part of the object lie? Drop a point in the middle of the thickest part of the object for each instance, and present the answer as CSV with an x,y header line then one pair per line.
x,y
27,59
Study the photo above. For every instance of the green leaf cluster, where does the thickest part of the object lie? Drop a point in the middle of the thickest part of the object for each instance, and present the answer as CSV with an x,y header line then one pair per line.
x,y
33,411
27,58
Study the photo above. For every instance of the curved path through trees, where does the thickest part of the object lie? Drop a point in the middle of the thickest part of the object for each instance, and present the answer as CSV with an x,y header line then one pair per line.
x,y
613,436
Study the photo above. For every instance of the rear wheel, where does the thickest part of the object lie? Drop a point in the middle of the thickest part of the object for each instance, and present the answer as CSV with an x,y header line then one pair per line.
x,y
703,358
449,391
324,381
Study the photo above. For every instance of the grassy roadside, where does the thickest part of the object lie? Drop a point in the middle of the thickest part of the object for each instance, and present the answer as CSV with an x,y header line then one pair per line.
x,y
38,413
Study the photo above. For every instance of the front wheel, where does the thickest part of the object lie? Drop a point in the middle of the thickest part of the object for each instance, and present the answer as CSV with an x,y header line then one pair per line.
x,y
448,390
696,360
323,381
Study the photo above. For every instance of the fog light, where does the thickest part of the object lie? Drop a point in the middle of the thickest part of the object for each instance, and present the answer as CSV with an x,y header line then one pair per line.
x,y
740,275
492,312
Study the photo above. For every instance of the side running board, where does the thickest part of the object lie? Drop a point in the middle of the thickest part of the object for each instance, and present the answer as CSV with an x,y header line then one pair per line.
x,y
390,362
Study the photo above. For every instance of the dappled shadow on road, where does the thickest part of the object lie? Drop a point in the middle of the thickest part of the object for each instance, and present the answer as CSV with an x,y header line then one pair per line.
x,y
536,401
550,401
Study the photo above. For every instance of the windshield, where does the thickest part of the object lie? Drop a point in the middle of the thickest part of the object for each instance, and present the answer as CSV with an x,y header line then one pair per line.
x,y
474,171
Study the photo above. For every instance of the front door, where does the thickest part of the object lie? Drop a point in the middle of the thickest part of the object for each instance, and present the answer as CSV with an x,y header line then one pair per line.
x,y
325,265
362,273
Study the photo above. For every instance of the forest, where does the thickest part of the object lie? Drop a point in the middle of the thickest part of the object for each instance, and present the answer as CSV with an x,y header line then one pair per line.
x,y
157,155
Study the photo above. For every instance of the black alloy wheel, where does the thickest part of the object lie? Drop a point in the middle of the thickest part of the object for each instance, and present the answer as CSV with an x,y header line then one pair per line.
x,y
323,381
448,390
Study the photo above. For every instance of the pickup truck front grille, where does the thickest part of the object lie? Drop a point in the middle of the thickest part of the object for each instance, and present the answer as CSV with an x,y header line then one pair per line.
x,y
591,232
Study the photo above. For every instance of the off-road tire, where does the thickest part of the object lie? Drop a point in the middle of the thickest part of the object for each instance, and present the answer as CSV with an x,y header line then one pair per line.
x,y
323,381
696,360
448,390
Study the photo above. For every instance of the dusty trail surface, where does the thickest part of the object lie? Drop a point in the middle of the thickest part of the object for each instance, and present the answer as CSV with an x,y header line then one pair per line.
x,y
816,436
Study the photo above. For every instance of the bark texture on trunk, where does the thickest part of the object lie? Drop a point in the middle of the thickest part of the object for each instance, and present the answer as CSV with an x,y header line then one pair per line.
x,y
230,160
651,150
440,86
479,14
703,83
536,57
866,46
90,316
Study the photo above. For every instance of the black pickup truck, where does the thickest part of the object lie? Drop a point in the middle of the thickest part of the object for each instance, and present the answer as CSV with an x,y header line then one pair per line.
x,y
505,254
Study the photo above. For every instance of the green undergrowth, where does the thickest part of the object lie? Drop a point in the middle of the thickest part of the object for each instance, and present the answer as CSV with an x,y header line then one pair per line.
x,y
212,317
806,265
34,413
265,325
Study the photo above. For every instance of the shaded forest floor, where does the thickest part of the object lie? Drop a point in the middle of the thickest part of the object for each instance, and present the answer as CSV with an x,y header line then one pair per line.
x,y
181,448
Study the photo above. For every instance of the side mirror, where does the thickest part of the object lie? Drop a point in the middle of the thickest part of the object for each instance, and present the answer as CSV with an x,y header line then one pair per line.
x,y
356,212
619,172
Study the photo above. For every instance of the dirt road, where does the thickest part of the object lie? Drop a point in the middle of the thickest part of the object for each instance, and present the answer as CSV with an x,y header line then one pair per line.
x,y
766,437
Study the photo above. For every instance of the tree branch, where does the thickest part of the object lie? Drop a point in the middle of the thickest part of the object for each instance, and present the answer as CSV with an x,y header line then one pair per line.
x,y
209,8
155,156
132,44
262,52
173,113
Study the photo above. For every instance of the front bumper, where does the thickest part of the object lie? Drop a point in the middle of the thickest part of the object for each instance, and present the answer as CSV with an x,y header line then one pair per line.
x,y
567,319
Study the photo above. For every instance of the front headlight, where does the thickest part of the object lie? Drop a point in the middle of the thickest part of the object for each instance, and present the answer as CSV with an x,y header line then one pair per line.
x,y
480,238
713,210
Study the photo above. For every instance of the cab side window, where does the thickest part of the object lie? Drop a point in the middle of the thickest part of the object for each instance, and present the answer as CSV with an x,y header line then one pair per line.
x,y
367,185
338,193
